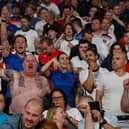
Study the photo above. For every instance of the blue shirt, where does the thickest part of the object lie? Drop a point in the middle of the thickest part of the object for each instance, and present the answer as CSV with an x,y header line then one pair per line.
x,y
13,61
65,81
78,36
3,117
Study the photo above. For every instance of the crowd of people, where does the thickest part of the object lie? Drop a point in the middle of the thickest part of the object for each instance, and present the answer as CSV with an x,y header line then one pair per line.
x,y
64,64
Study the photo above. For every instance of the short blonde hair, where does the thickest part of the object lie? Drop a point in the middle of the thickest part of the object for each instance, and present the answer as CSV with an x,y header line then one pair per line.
x,y
50,113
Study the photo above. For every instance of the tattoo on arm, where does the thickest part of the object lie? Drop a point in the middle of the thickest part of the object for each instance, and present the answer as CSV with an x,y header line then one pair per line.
x,y
21,81
9,74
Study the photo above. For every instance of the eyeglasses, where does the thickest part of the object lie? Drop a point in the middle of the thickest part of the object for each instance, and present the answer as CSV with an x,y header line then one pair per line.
x,y
57,97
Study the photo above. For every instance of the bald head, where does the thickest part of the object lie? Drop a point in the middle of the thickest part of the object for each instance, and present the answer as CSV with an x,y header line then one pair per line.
x,y
37,102
32,113
29,55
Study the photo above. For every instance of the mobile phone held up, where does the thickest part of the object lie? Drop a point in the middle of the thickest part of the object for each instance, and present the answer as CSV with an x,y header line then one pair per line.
x,y
94,105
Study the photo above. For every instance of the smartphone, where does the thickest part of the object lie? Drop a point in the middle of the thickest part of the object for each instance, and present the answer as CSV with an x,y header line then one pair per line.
x,y
94,105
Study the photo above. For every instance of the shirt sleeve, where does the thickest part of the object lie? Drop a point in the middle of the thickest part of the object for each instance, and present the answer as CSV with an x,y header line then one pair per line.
x,y
111,119
81,124
83,76
100,85
73,112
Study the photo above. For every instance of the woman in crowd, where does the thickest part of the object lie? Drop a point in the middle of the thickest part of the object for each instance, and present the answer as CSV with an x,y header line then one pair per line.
x,y
57,115
62,77
66,39
59,99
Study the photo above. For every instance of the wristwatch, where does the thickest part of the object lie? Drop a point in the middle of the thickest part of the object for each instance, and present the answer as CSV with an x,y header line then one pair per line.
x,y
103,123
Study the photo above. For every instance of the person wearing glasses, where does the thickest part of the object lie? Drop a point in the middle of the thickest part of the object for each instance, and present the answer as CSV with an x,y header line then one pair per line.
x,y
58,99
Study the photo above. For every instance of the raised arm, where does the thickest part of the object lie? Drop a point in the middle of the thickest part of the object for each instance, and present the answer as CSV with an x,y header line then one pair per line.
x,y
99,96
125,97
89,82
7,74
120,22
58,41
4,40
45,68
88,123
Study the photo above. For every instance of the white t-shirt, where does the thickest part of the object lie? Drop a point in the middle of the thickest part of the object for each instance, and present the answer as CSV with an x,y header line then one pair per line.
x,y
30,35
64,46
78,63
39,25
83,75
112,86
101,44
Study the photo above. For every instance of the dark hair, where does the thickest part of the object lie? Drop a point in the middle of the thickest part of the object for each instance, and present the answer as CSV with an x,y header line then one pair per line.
x,y
43,8
93,50
117,44
20,36
16,4
67,7
77,21
83,41
48,40
62,92
27,17
69,24
60,55
97,18
87,30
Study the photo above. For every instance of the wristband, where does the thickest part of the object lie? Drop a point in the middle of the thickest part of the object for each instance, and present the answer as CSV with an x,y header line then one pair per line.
x,y
103,123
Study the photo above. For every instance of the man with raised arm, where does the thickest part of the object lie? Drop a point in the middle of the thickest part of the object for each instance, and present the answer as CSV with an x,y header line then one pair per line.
x,y
25,84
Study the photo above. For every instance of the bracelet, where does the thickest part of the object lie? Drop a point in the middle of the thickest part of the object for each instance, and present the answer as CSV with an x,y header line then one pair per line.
x,y
103,122
4,20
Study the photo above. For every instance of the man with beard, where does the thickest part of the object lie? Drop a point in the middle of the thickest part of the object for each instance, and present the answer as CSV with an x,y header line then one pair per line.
x,y
30,117
25,84
29,33
89,77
